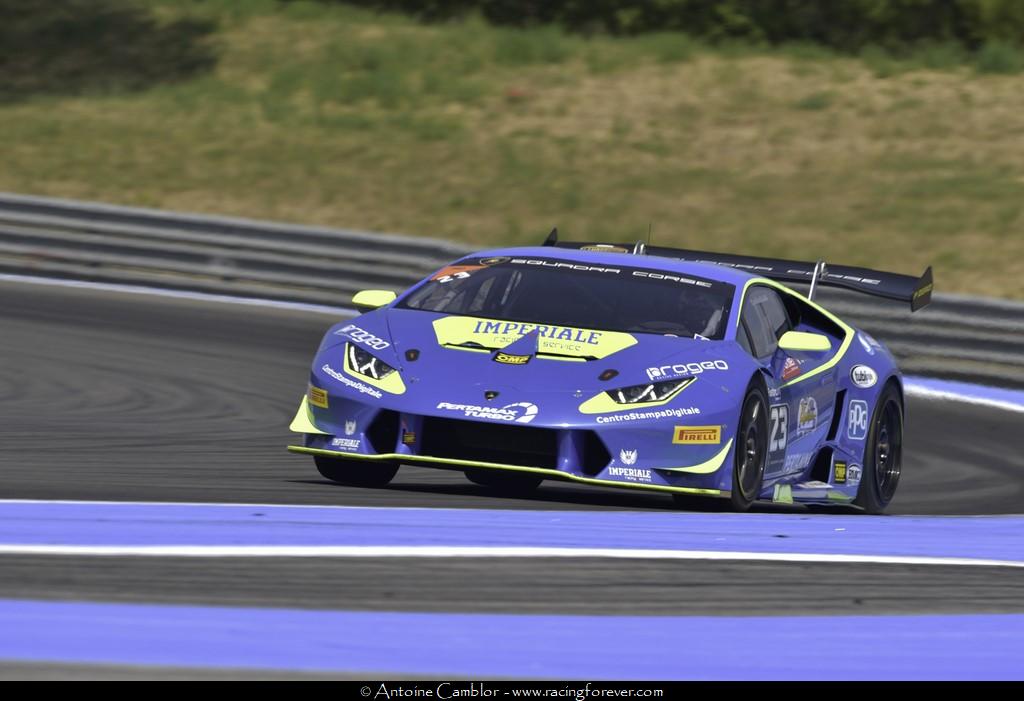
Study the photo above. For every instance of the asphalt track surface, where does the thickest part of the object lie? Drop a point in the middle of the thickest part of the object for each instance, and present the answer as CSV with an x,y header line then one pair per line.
x,y
119,397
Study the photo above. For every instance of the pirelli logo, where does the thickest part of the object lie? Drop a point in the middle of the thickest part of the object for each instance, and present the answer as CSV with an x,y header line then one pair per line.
x,y
317,397
697,435
511,359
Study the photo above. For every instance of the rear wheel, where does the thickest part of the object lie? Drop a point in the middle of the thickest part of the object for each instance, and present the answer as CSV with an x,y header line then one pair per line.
x,y
883,453
504,480
356,473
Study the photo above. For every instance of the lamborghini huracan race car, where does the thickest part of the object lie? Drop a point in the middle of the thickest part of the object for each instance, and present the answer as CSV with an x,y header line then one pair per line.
x,y
696,374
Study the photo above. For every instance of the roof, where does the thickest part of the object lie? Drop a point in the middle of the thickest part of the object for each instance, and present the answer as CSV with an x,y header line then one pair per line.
x,y
710,271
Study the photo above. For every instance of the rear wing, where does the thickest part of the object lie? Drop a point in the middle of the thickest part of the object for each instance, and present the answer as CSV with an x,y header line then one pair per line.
x,y
917,291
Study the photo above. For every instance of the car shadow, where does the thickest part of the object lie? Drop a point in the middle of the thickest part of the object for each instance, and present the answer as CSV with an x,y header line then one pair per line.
x,y
551,495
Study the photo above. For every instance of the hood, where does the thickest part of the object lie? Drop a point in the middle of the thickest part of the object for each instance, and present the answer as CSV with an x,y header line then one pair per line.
x,y
460,359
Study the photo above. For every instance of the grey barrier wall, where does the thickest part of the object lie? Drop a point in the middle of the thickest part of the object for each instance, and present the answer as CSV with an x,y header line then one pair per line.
x,y
958,337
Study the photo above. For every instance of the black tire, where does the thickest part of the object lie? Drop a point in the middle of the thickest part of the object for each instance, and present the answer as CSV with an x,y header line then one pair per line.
x,y
751,455
751,452
506,481
883,453
356,473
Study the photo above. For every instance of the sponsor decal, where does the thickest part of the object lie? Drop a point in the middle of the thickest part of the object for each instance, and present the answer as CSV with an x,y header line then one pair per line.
x,y
630,473
926,290
671,278
796,463
352,384
551,339
605,248
565,266
669,372
697,435
508,359
521,412
350,428
408,437
317,397
628,457
868,348
791,369
807,418
863,376
857,420
517,329
774,393
364,337
815,484
839,472
494,261
778,429
853,473
676,413
345,443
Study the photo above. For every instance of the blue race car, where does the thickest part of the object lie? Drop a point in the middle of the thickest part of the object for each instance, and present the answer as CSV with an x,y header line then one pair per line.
x,y
696,374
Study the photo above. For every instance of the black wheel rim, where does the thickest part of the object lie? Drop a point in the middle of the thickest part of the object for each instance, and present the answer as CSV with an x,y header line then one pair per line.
x,y
751,450
888,450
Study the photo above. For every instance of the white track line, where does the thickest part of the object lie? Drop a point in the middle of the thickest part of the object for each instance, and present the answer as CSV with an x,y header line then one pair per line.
x,y
445,551
911,389
261,505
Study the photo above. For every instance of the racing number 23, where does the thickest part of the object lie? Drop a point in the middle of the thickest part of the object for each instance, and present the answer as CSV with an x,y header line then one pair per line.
x,y
779,417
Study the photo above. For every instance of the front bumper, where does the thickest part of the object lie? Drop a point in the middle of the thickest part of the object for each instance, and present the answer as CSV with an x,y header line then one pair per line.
x,y
568,454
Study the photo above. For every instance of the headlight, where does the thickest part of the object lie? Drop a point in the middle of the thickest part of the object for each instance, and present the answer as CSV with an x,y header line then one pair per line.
x,y
365,364
651,392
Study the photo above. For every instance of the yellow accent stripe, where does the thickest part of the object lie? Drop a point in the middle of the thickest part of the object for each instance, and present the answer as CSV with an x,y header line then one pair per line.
x,y
515,468
850,333
705,468
303,421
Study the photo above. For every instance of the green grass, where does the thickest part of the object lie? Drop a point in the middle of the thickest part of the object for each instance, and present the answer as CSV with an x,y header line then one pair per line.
x,y
330,115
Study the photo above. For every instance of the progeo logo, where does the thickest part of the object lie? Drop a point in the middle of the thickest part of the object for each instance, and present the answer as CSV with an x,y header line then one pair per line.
x,y
670,371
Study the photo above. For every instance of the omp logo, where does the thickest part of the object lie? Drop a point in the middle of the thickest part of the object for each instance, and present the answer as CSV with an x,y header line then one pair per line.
x,y
507,359
668,371
697,435
628,457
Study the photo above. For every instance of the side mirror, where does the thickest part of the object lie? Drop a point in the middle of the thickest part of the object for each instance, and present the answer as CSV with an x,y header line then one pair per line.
x,y
800,341
368,300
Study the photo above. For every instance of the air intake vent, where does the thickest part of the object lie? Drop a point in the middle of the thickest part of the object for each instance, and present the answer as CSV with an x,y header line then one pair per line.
x,y
383,432
486,442
837,413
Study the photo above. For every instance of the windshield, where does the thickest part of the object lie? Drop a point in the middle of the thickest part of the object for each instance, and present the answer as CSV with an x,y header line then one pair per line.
x,y
566,293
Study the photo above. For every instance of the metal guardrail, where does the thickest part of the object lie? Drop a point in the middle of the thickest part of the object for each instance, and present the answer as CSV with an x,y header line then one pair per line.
x,y
958,337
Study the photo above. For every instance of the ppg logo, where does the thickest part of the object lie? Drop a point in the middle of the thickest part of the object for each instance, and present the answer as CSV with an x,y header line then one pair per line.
x,y
857,421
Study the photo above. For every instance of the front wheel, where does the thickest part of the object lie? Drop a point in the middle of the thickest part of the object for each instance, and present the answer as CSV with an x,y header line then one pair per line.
x,y
883,454
356,473
751,451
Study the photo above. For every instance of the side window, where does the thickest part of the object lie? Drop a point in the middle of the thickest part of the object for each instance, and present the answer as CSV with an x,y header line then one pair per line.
x,y
765,319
